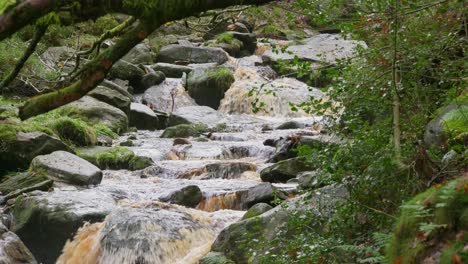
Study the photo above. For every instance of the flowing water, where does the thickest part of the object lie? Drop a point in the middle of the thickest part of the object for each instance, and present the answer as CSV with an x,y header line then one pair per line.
x,y
141,229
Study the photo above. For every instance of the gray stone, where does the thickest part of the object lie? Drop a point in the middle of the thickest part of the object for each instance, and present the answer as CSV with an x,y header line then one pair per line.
x,y
285,170
13,250
168,96
65,167
172,70
207,86
189,196
142,117
59,58
262,193
238,27
123,89
178,53
249,41
197,115
228,170
46,220
127,71
290,125
151,79
140,54
111,96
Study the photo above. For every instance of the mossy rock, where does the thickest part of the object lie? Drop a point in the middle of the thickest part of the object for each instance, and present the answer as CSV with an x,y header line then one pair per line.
x,y
285,170
257,210
450,126
184,131
116,158
215,258
18,181
430,224
208,85
74,131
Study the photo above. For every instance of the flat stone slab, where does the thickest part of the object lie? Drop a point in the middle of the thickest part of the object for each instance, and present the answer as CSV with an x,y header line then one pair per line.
x,y
65,167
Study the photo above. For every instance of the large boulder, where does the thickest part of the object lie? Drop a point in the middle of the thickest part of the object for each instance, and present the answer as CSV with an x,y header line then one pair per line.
x,y
65,167
112,96
119,85
168,96
97,111
147,233
257,210
18,149
190,54
327,48
285,170
140,54
234,240
142,117
197,115
207,86
172,70
12,249
276,96
45,221
450,124
262,193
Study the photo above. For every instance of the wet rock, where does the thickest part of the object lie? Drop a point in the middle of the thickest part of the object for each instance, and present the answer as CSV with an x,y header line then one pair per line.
x,y
285,170
97,111
18,149
207,86
321,48
257,210
290,125
181,141
12,249
450,125
228,170
65,167
127,71
283,148
189,196
262,193
148,233
313,179
111,96
45,221
232,240
215,258
183,131
249,41
197,115
142,117
151,79
116,158
172,70
140,54
168,96
177,53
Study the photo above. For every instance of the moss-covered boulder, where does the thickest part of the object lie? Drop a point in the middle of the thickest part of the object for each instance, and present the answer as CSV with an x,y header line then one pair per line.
x,y
151,79
208,85
127,71
189,196
45,221
16,183
450,124
257,210
184,131
432,226
18,148
140,54
112,97
95,111
116,158
74,131
285,170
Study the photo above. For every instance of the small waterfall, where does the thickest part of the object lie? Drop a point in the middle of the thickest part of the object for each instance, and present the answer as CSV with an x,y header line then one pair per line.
x,y
221,201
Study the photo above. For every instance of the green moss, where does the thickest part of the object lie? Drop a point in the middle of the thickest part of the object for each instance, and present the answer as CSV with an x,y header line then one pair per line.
x,y
17,181
272,31
104,130
184,131
74,131
116,158
433,215
139,163
456,121
229,38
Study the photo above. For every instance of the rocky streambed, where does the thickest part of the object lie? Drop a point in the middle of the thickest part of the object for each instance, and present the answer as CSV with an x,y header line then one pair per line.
x,y
211,159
